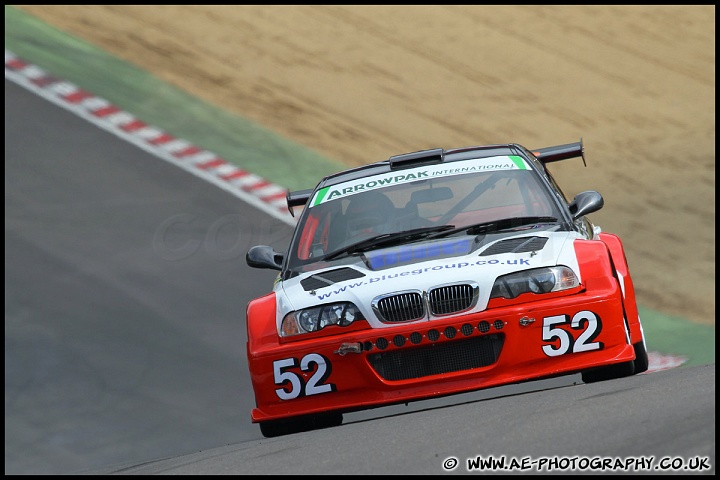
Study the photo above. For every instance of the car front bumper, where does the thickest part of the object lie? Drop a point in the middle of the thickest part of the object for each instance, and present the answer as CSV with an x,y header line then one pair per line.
x,y
419,360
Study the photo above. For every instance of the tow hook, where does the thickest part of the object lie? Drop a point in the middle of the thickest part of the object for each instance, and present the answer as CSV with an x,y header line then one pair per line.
x,y
525,321
346,348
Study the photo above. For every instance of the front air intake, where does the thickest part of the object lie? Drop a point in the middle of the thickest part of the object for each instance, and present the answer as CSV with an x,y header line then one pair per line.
x,y
329,277
450,299
516,245
437,358
399,307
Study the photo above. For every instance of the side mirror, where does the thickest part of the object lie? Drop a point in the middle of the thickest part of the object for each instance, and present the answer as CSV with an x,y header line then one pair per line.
x,y
263,256
585,203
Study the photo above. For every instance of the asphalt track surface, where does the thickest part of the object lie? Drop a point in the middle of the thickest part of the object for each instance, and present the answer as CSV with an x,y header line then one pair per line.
x,y
125,289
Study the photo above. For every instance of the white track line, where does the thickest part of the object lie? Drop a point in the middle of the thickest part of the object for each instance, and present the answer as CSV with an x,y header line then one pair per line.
x,y
256,191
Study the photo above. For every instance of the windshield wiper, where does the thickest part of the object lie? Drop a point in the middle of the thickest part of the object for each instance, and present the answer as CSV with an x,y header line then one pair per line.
x,y
386,239
496,225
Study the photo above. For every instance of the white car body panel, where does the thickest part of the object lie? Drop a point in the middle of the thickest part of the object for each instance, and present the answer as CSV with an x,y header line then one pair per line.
x,y
424,275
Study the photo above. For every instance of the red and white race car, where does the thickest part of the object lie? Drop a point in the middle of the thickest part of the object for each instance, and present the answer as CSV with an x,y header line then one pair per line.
x,y
433,273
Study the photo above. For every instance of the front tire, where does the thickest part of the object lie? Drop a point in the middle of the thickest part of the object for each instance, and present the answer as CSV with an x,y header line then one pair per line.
x,y
641,362
277,428
618,370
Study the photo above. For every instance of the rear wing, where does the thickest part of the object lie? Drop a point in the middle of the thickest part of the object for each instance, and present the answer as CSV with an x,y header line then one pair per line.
x,y
297,199
561,152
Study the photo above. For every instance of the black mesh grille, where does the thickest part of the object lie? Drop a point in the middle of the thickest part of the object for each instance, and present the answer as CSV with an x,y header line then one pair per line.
x,y
446,357
330,277
401,308
450,299
516,245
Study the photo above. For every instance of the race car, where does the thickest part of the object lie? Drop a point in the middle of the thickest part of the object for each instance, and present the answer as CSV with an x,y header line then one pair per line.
x,y
434,273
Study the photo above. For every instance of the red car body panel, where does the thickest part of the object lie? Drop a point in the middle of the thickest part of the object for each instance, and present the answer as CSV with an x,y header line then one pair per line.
x,y
599,319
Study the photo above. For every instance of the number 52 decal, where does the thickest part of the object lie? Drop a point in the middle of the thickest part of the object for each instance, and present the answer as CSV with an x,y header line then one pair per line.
x,y
294,385
298,387
585,320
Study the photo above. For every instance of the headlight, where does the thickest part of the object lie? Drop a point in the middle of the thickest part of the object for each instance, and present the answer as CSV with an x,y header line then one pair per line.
x,y
538,280
316,318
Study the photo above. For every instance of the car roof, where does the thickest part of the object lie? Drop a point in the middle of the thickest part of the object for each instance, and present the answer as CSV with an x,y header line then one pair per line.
x,y
432,156
538,160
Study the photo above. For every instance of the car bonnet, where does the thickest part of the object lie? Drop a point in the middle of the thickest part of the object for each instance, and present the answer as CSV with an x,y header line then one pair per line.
x,y
422,266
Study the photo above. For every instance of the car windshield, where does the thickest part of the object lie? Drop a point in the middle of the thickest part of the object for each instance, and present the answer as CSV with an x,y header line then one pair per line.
x,y
456,195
